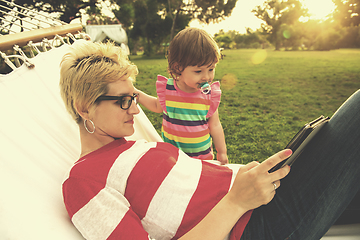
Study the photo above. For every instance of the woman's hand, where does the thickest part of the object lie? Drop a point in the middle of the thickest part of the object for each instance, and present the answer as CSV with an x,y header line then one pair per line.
x,y
254,185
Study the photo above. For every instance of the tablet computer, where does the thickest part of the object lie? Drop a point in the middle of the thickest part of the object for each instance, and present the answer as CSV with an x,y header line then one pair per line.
x,y
301,139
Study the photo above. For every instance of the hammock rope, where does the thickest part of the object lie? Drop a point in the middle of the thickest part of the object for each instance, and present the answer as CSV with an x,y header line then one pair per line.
x,y
45,45
18,13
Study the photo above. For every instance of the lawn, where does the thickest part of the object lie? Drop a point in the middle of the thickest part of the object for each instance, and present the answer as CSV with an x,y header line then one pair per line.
x,y
267,96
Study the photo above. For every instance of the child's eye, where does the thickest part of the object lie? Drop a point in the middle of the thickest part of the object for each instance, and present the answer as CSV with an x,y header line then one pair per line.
x,y
198,71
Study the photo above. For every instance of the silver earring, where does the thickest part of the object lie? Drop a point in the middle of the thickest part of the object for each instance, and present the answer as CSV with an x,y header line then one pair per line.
x,y
91,124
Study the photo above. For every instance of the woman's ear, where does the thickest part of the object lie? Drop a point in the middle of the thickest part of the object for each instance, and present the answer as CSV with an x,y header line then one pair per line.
x,y
84,113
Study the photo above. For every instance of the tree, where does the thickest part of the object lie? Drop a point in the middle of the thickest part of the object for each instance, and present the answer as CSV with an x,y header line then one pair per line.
x,y
125,13
275,14
159,20
350,37
347,12
233,39
151,21
149,25
204,11
224,41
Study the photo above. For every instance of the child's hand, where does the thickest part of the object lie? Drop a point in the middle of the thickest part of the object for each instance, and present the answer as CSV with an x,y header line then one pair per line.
x,y
222,158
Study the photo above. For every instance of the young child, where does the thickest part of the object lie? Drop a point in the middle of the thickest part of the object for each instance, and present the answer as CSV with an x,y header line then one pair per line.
x,y
189,100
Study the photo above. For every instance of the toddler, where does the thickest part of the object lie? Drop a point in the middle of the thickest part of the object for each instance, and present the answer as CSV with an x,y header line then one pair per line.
x,y
189,100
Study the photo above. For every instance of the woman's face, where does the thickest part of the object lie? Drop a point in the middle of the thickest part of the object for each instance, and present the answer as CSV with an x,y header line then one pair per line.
x,y
109,118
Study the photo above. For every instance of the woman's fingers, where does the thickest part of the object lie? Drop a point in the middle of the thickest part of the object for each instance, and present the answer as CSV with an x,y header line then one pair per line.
x,y
254,185
249,166
275,159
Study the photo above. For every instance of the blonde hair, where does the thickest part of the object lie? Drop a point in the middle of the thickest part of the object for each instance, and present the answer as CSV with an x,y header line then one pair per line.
x,y
191,47
87,69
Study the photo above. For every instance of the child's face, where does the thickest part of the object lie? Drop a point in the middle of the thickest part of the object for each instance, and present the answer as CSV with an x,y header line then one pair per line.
x,y
193,76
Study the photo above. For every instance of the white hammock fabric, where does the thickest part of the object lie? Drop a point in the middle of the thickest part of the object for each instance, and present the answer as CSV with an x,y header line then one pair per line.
x,y
38,143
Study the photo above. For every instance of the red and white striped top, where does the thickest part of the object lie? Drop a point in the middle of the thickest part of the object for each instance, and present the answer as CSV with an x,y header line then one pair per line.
x,y
139,190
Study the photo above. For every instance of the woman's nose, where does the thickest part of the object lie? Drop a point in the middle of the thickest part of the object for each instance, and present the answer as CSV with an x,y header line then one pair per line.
x,y
134,108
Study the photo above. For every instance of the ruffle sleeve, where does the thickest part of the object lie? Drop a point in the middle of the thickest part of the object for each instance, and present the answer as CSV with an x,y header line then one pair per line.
x,y
215,98
161,90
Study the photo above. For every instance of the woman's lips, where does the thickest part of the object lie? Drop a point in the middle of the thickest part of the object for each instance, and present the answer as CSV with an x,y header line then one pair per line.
x,y
131,121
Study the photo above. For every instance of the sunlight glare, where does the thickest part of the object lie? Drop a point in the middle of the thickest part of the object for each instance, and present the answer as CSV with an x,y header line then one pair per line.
x,y
319,9
242,17
228,81
259,57
287,34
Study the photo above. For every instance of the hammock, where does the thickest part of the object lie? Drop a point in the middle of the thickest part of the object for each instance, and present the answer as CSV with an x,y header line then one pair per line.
x,y
39,141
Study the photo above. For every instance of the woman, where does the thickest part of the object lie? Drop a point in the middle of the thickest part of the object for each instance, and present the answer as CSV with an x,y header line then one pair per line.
x,y
139,190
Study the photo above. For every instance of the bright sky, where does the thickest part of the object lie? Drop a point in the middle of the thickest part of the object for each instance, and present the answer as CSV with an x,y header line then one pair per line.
x,y
242,17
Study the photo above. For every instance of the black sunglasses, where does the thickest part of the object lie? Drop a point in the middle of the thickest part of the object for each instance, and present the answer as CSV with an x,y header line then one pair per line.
x,y
123,101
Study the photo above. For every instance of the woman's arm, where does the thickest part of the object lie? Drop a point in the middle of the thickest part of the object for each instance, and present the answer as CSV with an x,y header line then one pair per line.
x,y
150,102
217,134
99,212
253,187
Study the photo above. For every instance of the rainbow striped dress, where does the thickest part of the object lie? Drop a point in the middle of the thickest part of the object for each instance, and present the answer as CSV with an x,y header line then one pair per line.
x,y
185,117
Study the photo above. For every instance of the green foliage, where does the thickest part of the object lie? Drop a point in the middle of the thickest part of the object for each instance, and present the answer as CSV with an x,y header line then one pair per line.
x,y
224,41
125,14
211,11
284,30
310,35
235,40
264,104
347,12
152,23
149,28
350,37
275,14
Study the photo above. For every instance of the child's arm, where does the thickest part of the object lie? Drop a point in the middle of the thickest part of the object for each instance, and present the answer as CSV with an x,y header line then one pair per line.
x,y
217,134
150,102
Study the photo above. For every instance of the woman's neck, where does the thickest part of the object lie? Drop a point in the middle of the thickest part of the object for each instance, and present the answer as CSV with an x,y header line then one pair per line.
x,y
92,141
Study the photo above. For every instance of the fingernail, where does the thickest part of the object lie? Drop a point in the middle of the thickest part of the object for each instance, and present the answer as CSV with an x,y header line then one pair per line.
x,y
288,152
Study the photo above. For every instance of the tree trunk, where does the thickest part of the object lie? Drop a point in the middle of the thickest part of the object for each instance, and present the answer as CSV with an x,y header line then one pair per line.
x,y
172,32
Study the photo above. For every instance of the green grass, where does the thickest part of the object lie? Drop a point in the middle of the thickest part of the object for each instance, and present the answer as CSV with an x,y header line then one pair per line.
x,y
264,104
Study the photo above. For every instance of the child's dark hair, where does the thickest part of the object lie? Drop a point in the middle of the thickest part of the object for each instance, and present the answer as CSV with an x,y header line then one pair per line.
x,y
191,47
